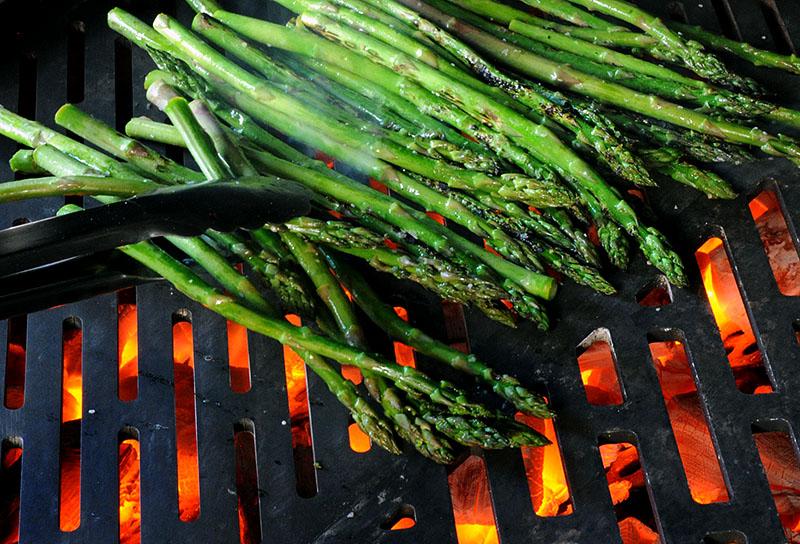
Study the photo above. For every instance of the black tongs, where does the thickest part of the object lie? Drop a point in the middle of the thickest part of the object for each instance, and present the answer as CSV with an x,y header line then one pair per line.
x,y
69,257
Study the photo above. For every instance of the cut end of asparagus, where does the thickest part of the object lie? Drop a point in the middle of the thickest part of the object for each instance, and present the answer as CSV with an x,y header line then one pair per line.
x,y
159,93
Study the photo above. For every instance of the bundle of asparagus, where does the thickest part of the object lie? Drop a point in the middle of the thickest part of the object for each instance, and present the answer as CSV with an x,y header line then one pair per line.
x,y
523,155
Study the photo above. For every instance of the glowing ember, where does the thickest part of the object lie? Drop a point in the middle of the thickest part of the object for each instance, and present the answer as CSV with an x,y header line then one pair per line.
x,y
15,362
238,358
777,240
296,389
731,317
128,350
783,473
599,374
403,354
634,531
297,396
185,422
248,501
71,413
689,424
130,514
544,469
472,504
628,490
10,471
359,440
403,523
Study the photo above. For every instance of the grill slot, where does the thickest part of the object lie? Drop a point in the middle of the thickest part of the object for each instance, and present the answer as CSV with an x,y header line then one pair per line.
x,y
361,497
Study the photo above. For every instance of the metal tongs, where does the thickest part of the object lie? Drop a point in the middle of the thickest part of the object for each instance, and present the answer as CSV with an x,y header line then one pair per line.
x,y
66,258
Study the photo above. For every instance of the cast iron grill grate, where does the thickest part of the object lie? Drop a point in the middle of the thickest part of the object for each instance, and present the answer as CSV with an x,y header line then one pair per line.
x,y
72,56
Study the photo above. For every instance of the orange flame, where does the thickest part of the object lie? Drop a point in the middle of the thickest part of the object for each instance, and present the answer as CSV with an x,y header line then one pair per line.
x,y
128,352
71,411
731,317
130,515
544,468
599,375
238,358
472,503
297,393
185,422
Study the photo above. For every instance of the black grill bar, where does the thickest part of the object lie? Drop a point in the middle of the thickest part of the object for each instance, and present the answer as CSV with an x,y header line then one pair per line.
x,y
359,492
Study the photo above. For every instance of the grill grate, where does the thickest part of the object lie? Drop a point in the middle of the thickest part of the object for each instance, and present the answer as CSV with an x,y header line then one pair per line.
x,y
74,57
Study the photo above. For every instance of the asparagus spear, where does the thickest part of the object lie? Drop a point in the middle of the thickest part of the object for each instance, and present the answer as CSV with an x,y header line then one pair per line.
x,y
72,185
144,128
608,148
138,155
385,317
538,67
670,162
33,134
759,57
23,162
333,296
689,53
537,138
504,14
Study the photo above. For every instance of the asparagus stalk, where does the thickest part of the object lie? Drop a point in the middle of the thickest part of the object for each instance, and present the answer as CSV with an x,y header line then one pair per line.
x,y
538,67
226,149
670,162
689,53
385,317
759,57
698,146
144,128
164,97
504,14
333,296
32,134
70,185
608,148
299,338
111,141
23,162
548,145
